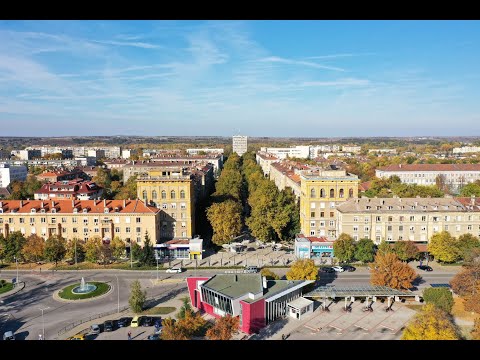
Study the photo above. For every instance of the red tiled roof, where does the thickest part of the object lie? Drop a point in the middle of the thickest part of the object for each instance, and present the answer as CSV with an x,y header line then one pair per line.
x,y
469,202
431,167
314,238
365,186
178,241
265,156
66,206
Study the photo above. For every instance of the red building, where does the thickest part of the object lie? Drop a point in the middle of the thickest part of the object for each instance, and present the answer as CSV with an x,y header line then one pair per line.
x,y
67,190
254,299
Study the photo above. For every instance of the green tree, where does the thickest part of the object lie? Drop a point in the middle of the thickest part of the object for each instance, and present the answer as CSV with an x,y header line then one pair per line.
x,y
470,189
440,297
55,248
388,270
102,178
105,253
137,297
13,245
406,250
92,249
344,248
136,251
384,248
148,256
365,251
431,323
466,243
118,247
80,249
186,308
269,274
303,269
33,249
444,247
226,221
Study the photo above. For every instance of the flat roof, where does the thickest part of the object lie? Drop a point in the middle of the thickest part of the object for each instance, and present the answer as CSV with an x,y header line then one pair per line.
x,y
300,303
359,290
235,285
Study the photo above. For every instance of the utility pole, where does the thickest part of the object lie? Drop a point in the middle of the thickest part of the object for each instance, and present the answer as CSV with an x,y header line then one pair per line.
x,y
17,279
118,295
43,323
131,254
157,269
75,251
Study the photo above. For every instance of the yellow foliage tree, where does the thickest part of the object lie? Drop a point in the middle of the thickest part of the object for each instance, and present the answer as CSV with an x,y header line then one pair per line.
x,y
269,274
431,323
224,328
303,269
388,270
476,330
444,247
226,221
33,248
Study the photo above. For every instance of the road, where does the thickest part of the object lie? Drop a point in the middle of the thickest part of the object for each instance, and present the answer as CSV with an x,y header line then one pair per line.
x,y
21,312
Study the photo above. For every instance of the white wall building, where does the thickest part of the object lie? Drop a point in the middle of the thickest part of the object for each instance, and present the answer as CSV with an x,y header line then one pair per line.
x,y
302,152
353,149
206,150
383,151
466,149
10,173
239,144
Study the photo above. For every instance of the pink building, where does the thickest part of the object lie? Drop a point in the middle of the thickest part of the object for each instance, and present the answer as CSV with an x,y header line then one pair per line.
x,y
254,299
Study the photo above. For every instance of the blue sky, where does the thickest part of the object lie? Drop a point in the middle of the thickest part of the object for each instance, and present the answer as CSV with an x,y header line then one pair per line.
x,y
259,78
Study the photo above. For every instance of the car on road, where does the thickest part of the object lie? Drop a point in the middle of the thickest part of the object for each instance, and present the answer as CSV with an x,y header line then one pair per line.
x,y
95,329
147,321
135,322
327,269
425,267
250,269
124,322
77,337
175,269
153,337
8,335
108,325
338,269
348,268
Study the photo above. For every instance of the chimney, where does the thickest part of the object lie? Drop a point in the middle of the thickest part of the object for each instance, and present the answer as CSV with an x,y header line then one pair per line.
x,y
53,203
41,204
21,203
124,203
264,282
73,203
104,202
400,166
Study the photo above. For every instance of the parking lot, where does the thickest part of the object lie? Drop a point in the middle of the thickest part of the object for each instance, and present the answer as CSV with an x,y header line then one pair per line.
x,y
121,333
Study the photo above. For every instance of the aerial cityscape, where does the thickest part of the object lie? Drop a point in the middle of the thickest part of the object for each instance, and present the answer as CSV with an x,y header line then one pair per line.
x,y
239,180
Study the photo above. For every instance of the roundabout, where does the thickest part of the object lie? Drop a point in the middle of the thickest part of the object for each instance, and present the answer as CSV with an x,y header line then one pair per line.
x,y
83,291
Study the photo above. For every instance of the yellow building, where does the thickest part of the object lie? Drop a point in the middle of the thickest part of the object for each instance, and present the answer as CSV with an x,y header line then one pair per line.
x,y
321,192
81,219
172,191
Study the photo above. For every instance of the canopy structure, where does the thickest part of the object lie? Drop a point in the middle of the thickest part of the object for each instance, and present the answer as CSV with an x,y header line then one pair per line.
x,y
333,291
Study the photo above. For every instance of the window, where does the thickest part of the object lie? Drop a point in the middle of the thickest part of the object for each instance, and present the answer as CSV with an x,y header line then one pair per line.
x,y
174,205
10,220
412,218
389,228
322,205
127,220
33,211
184,224
355,218
127,229
322,193
355,237
182,194
423,228
435,218
183,215
144,194
322,223
75,230
43,220
332,205
400,228
355,228
312,223
332,223
378,238
390,218
139,239
117,229
402,218
312,214
400,237
32,220
322,214
184,233
64,220
412,229
154,195
74,220
164,194
332,214
183,206
172,194
378,229
95,221
164,206
340,193
173,215
424,218
22,220
312,232
85,221
459,218
117,220
85,230
312,193
332,193
378,218
350,193
469,227
469,217
446,227
366,220
139,229
54,220
107,230
96,230
138,220
366,228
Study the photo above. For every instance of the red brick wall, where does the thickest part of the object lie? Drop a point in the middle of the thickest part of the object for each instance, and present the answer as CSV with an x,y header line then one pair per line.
x,y
253,316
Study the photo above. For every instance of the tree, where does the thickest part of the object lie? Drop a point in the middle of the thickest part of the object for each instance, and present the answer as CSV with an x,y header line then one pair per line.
x,y
102,178
387,270
75,246
33,249
55,248
344,248
303,269
105,253
186,308
467,284
365,251
444,247
440,297
193,324
226,221
13,245
466,243
476,330
384,248
170,331
118,247
406,250
136,250
137,297
92,249
147,256
128,190
470,189
224,328
431,323
269,274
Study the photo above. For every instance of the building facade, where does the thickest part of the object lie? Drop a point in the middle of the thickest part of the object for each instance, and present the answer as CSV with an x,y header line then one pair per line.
x,y
239,144
321,192
82,219
287,174
9,173
311,247
69,189
466,149
453,175
204,150
302,152
183,249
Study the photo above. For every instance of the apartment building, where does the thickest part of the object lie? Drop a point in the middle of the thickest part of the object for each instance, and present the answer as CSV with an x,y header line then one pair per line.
x,y
265,160
9,173
4,154
287,174
62,175
239,144
454,175
69,189
302,152
204,150
28,154
321,192
352,148
411,219
82,219
383,151
466,149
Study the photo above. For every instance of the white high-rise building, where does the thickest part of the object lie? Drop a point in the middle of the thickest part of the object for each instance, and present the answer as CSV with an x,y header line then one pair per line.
x,y
239,144
8,173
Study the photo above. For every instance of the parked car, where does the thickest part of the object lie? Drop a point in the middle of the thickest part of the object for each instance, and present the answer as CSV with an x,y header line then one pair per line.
x,y
250,269
8,335
135,322
338,269
175,269
108,325
158,322
327,269
153,337
349,268
77,337
425,267
95,329
147,321
124,322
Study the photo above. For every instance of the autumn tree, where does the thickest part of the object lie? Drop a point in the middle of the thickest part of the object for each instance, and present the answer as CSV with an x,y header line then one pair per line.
x,y
440,297
303,269
431,323
170,330
105,253
467,284
388,270
75,247
137,297
476,330
466,243
384,248
128,190
92,249
406,250
226,221
118,247
193,324
269,274
12,246
443,247
33,249
224,328
365,251
344,248
55,248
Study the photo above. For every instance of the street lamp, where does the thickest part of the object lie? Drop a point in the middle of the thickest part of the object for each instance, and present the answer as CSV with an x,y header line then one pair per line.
x,y
43,322
157,268
75,251
16,262
118,295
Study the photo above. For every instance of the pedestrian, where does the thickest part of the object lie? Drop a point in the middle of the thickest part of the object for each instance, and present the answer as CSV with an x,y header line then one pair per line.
x,y
283,337
40,337
129,335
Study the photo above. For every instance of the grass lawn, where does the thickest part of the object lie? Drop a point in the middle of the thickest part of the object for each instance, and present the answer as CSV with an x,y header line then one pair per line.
x,y
159,310
416,307
66,293
6,287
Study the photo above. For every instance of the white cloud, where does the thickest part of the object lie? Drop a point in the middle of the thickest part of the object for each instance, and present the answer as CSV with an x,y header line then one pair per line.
x,y
276,59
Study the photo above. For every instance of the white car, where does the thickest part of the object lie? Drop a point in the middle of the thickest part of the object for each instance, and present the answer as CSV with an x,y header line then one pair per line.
x,y
338,269
175,269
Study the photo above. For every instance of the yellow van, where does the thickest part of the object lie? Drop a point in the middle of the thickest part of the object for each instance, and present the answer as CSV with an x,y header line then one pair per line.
x,y
134,322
